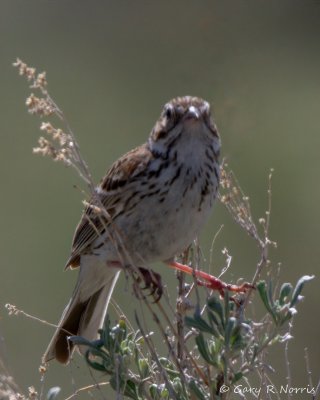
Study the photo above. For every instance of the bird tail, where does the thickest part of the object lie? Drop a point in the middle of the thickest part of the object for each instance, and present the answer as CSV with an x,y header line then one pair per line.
x,y
85,312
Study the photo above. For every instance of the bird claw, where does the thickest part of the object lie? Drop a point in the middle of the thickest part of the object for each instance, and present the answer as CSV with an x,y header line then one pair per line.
x,y
214,283
152,282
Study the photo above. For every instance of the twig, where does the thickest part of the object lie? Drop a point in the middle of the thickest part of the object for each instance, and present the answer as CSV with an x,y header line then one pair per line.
x,y
286,356
309,373
212,245
180,310
86,389
13,310
317,391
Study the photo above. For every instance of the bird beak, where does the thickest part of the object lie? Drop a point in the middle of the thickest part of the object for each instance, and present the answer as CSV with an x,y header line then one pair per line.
x,y
193,113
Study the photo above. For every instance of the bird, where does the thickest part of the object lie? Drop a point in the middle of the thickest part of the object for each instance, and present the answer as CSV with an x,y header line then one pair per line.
x,y
155,200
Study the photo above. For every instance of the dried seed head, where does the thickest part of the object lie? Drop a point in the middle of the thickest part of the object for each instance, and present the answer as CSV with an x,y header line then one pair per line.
x,y
39,106
45,148
41,80
46,126
24,70
42,369
32,101
32,393
12,309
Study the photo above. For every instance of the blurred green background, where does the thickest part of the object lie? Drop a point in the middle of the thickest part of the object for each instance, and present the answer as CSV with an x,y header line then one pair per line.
x,y
111,66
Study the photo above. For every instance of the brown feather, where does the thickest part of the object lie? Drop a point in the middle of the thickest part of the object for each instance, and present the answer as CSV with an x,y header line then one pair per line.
x,y
63,347
116,181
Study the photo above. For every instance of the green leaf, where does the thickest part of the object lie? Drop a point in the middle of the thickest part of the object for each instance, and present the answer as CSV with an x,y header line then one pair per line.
x,y
199,323
237,377
299,287
105,333
215,306
215,323
216,350
128,388
213,318
106,362
290,313
96,365
270,294
164,394
177,385
119,334
131,390
169,367
230,325
204,349
237,341
262,289
197,390
143,367
284,292
153,390
226,306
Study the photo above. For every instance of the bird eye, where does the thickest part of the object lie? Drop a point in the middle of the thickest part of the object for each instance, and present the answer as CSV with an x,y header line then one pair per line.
x,y
168,112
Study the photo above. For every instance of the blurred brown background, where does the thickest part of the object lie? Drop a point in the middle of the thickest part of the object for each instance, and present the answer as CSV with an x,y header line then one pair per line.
x,y
111,66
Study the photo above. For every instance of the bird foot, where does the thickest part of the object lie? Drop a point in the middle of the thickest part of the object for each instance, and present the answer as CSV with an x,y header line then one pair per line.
x,y
152,282
210,281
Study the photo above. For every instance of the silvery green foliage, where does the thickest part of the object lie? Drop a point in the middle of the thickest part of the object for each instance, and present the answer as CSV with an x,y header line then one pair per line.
x,y
227,348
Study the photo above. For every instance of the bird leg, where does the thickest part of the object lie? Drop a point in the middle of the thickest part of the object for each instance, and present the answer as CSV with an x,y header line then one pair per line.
x,y
210,281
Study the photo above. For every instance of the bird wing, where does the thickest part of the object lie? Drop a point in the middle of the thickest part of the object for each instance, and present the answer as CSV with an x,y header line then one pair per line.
x,y
111,192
